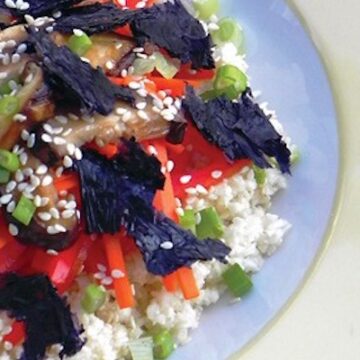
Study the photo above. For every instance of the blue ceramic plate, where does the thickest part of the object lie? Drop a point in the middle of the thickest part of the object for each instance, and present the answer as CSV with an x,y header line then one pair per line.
x,y
285,65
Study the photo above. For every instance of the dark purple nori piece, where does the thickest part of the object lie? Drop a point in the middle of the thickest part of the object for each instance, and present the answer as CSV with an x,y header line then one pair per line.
x,y
241,129
93,19
47,316
43,7
120,191
65,71
167,25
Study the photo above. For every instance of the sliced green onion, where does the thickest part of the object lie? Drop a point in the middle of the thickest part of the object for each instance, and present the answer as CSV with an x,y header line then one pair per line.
x,y
229,31
9,161
9,106
163,344
4,176
143,66
295,157
260,175
5,88
188,220
142,349
231,81
206,8
24,211
79,44
210,226
168,68
94,297
237,281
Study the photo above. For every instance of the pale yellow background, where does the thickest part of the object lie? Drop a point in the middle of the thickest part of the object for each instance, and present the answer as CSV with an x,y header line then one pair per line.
x,y
323,323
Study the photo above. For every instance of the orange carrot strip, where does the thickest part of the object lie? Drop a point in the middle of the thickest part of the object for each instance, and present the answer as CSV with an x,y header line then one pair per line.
x,y
188,283
165,201
122,286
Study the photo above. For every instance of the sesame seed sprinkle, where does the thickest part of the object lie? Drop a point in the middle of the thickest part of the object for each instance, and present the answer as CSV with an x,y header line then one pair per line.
x,y
117,274
41,169
185,179
216,174
44,216
13,230
47,180
5,199
167,245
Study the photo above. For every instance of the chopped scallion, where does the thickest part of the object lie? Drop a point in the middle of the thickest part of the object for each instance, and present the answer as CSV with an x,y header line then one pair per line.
x,y
142,349
237,281
163,344
295,157
230,81
260,175
206,8
168,68
5,88
24,211
9,161
9,106
210,226
93,298
79,44
188,220
143,66
229,31
4,176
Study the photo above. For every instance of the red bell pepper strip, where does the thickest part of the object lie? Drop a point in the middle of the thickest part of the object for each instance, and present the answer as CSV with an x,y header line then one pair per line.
x,y
17,334
63,268
12,256
115,257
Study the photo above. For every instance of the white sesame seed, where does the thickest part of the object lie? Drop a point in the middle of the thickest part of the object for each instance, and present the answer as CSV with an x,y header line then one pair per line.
x,y
44,216
29,78
167,245
54,212
178,202
3,75
70,149
52,252
78,154
152,150
10,4
67,214
124,73
28,171
127,116
22,186
23,158
101,267
142,56
11,206
180,211
99,275
67,161
143,115
216,174
185,179
201,189
170,166
44,201
19,176
162,94
6,60
56,14
15,58
46,138
5,199
59,140
51,230
35,181
107,281
13,85
168,101
31,141
142,92
59,171
121,111
117,274
138,50
67,132
169,117
29,189
19,118
60,228
134,85
213,27
13,230
191,191
158,103
47,180
24,135
141,105
41,169
37,200
48,128
62,119
11,185
24,6
197,218
177,103
78,32
61,204
71,205
21,48
156,110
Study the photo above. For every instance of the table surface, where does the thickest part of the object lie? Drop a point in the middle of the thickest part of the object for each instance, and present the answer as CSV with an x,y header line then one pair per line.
x,y
323,322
